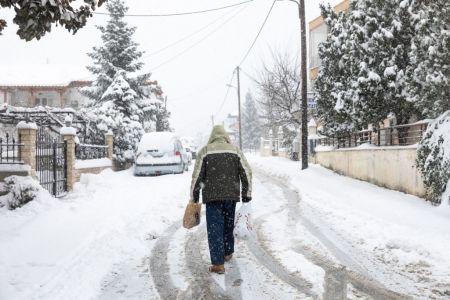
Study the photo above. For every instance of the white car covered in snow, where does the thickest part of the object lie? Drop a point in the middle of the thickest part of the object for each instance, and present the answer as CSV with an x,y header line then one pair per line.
x,y
160,153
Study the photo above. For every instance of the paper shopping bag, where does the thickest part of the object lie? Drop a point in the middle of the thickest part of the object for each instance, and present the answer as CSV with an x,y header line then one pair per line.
x,y
192,215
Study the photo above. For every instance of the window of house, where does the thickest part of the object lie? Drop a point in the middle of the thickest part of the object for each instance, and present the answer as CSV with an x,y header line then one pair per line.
x,y
41,101
316,36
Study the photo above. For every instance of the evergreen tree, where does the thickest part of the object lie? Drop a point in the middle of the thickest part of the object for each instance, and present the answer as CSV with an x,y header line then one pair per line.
x,y
365,61
429,74
35,18
119,101
433,159
334,101
251,126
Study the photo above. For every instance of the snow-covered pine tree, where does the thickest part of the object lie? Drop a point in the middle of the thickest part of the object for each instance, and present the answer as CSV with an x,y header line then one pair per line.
x,y
364,63
429,74
433,159
385,32
251,126
334,105
120,101
156,115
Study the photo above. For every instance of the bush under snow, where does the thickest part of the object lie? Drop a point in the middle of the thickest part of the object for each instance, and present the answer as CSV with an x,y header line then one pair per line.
x,y
433,159
20,190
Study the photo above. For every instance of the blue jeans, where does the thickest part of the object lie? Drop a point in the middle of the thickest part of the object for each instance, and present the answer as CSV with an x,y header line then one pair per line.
x,y
220,225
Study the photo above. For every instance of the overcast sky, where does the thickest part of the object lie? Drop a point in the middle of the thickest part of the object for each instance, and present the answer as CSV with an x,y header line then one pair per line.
x,y
193,73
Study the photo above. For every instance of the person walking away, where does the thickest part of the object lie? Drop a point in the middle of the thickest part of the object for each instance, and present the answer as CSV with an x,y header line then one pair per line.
x,y
221,171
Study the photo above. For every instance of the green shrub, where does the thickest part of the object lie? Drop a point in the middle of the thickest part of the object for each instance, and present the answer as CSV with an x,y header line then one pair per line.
x,y
21,190
433,158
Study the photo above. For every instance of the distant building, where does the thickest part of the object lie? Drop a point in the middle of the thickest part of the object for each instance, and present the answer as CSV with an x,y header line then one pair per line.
x,y
43,85
61,96
55,86
231,125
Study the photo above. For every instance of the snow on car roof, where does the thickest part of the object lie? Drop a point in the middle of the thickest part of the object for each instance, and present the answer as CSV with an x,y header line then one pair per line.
x,y
157,140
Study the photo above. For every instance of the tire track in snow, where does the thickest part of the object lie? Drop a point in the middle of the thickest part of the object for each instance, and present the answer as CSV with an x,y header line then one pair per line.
x,y
264,257
159,265
336,274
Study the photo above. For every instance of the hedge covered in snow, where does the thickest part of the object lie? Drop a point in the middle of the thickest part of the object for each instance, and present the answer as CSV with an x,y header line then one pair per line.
x,y
433,159
20,190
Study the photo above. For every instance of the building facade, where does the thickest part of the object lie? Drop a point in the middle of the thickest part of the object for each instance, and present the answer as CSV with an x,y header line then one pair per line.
x,y
318,34
60,96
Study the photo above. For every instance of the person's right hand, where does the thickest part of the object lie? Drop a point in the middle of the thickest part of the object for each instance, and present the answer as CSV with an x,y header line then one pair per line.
x,y
246,199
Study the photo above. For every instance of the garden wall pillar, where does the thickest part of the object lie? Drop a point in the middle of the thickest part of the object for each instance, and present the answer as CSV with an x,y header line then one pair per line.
x,y
69,134
109,141
27,135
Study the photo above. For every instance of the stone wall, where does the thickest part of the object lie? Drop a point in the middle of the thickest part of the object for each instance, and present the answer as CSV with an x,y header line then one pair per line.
x,y
94,170
28,134
390,167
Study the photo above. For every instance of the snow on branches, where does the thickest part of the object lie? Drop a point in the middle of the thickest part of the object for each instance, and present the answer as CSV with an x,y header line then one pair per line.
x,y
35,18
381,58
433,159
119,100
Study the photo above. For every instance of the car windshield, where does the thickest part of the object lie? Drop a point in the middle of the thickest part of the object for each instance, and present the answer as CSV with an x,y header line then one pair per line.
x,y
160,141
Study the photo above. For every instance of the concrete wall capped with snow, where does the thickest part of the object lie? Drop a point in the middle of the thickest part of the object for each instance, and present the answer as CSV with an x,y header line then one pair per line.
x,y
391,168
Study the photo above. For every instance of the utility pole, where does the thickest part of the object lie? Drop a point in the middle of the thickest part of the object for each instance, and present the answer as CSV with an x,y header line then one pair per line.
x,y
304,91
304,82
239,109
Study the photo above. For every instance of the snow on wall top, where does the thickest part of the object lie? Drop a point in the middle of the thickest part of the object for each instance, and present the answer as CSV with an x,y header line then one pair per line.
x,y
42,75
68,131
25,125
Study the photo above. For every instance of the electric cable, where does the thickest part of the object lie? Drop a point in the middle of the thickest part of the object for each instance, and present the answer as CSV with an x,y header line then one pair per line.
x,y
178,14
198,91
229,86
185,37
199,41
259,33
249,76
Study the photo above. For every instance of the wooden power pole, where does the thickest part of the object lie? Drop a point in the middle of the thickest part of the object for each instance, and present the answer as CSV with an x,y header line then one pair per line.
x,y
304,91
239,107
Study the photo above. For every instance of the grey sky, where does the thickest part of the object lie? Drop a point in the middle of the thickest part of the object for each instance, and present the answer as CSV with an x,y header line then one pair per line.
x,y
195,81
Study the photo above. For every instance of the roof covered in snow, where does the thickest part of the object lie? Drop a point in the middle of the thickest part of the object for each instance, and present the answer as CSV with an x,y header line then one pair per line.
x,y
43,75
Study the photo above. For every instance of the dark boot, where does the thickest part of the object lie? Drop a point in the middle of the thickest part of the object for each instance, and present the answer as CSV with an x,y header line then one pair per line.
x,y
228,257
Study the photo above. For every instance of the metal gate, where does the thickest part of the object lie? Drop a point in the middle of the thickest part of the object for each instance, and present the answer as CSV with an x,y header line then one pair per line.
x,y
51,162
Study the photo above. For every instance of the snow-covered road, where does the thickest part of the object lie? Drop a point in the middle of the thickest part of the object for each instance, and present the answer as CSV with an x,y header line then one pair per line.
x,y
319,236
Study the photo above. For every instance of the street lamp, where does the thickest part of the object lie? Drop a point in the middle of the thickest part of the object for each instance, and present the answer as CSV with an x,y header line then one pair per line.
x,y
304,102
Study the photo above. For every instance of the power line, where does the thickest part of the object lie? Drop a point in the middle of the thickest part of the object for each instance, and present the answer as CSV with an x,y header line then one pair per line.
x,y
229,86
186,37
178,14
249,76
198,91
259,33
199,41
246,55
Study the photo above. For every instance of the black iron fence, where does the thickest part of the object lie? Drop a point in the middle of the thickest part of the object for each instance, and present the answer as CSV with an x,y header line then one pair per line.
x,y
10,150
84,151
51,162
401,135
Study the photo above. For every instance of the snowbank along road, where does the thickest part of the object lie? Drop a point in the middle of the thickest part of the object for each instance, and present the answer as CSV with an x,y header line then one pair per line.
x,y
120,237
